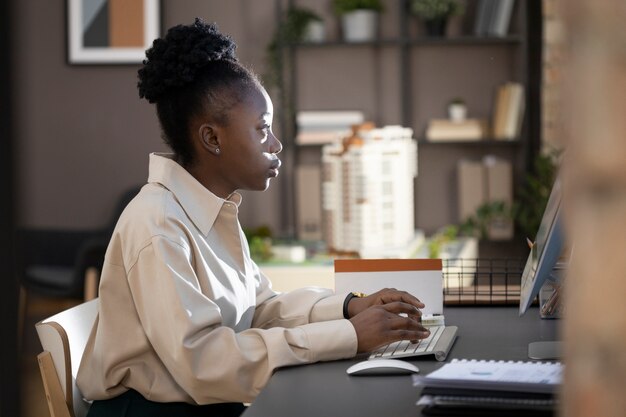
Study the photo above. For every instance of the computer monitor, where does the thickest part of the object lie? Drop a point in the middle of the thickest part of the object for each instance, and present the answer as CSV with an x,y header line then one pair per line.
x,y
541,265
545,251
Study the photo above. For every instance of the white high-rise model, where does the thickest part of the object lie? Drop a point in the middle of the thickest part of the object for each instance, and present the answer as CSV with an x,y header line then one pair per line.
x,y
368,192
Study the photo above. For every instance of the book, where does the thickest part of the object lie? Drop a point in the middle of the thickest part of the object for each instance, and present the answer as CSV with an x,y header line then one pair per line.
x,y
322,127
329,118
499,178
321,137
309,202
472,187
508,113
448,404
493,377
490,16
448,130
514,111
500,111
480,23
501,18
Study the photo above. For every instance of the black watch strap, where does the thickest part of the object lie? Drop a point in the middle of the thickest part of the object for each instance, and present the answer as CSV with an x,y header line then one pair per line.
x,y
349,297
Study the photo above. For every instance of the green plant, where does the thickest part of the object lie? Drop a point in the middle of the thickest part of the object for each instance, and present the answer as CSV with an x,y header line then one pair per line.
x,y
534,193
457,100
345,6
478,224
291,29
446,235
260,243
436,9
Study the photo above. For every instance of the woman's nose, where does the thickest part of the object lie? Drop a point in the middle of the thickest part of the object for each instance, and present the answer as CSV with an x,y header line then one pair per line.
x,y
275,146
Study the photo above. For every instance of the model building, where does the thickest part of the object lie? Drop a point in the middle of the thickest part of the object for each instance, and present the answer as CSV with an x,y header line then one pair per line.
x,y
368,190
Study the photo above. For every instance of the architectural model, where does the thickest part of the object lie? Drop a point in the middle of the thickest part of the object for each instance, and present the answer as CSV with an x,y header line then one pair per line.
x,y
368,192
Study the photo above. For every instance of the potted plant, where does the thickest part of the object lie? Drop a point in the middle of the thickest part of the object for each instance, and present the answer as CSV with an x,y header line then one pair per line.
x,y
489,219
534,193
303,24
300,24
457,110
435,14
359,18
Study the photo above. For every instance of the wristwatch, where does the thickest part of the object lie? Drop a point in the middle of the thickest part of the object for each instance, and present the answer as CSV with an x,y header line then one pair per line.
x,y
349,297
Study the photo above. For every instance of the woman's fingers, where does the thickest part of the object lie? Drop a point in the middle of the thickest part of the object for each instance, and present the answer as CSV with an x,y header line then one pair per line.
x,y
399,307
418,331
384,324
389,295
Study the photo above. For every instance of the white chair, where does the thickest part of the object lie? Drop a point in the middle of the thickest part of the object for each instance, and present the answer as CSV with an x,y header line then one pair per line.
x,y
63,337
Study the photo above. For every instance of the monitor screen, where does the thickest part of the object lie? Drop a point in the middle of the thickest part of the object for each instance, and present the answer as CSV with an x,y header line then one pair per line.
x,y
545,251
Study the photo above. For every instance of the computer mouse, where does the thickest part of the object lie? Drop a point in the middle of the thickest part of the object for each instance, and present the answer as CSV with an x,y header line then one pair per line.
x,y
382,367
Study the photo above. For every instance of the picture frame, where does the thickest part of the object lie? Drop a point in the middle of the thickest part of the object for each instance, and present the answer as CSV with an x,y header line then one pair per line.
x,y
111,31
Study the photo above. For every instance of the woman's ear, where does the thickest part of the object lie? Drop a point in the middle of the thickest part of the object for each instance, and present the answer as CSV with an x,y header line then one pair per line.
x,y
209,138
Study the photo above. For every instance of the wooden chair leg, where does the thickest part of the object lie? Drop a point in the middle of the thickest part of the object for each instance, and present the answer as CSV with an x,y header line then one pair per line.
x,y
92,278
54,393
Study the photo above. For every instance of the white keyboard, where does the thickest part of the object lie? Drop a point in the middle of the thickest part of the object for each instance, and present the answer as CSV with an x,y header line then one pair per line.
x,y
438,343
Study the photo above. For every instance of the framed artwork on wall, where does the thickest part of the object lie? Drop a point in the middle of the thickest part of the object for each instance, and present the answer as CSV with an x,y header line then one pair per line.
x,y
111,31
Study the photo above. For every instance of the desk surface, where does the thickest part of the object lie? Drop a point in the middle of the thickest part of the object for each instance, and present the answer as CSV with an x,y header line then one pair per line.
x,y
324,389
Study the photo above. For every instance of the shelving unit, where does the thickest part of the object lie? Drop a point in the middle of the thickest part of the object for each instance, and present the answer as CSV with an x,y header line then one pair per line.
x,y
406,78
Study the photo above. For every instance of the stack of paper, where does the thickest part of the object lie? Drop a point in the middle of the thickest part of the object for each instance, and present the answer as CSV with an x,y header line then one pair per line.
x,y
490,387
321,127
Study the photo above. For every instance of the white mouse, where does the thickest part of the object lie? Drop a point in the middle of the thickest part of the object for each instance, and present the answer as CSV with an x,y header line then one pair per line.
x,y
382,367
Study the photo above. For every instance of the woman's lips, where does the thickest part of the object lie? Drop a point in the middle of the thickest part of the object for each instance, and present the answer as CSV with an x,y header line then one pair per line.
x,y
274,168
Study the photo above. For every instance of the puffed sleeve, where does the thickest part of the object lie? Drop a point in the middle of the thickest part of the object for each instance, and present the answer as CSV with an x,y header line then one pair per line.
x,y
212,362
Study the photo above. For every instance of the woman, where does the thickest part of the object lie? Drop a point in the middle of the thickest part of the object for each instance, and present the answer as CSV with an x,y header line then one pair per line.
x,y
188,325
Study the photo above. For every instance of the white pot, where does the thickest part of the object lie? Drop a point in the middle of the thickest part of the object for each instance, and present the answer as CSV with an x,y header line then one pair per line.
x,y
360,25
457,112
315,32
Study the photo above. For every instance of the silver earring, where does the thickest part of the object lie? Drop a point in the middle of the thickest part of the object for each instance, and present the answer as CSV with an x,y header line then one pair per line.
x,y
217,151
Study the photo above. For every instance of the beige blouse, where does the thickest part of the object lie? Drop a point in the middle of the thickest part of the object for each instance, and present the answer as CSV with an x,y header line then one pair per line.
x,y
186,315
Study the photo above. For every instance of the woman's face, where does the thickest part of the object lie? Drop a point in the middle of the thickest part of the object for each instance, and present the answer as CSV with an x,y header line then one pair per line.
x,y
248,146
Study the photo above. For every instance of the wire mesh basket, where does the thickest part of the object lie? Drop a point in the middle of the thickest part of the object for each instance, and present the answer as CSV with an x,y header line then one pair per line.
x,y
482,281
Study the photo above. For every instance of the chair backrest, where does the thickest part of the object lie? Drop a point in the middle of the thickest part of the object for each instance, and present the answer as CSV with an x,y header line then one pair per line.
x,y
63,337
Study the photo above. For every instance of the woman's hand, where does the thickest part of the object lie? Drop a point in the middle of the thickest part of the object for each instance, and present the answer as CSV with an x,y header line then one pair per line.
x,y
382,324
386,296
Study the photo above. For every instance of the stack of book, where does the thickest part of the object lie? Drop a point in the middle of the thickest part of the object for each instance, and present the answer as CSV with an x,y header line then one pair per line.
x,y
508,111
321,127
486,388
440,130
493,17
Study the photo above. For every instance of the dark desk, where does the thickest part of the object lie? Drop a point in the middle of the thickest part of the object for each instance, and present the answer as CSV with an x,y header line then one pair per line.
x,y
324,389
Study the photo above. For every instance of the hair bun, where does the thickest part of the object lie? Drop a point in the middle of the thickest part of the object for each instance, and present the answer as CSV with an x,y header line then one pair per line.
x,y
176,60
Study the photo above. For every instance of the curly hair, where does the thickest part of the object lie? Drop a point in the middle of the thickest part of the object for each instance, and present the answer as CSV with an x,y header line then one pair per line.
x,y
192,70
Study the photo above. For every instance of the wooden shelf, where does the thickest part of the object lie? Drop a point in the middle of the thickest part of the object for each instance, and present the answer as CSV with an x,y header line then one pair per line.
x,y
340,43
483,142
422,40
466,40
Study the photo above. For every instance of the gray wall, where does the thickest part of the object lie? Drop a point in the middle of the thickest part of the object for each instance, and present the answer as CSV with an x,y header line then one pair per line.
x,y
82,135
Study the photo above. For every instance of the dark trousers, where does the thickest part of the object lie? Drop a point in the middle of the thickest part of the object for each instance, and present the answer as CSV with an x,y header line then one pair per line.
x,y
132,404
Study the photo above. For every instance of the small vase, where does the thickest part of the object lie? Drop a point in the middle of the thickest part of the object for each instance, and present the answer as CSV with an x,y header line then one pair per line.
x,y
457,112
360,25
315,32
436,27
